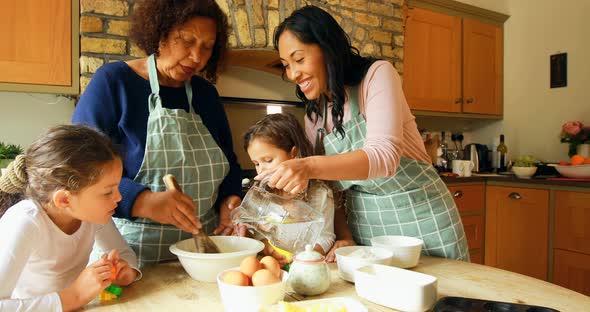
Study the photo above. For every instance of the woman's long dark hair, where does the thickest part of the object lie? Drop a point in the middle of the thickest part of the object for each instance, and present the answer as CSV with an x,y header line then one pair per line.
x,y
344,65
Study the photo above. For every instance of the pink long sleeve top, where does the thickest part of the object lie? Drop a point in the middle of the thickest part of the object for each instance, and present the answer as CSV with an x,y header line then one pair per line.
x,y
391,128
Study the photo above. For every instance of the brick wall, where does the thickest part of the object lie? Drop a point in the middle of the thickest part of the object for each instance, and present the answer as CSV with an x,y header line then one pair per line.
x,y
374,26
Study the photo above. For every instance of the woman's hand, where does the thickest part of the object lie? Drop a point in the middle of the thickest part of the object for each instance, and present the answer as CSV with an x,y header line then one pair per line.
x,y
291,176
226,226
169,207
88,285
331,256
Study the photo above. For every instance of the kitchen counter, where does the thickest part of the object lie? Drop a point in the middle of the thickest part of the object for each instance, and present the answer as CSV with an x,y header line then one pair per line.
x,y
167,287
496,179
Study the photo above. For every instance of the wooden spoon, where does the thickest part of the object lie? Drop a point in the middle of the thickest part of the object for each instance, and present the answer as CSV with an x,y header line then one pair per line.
x,y
203,243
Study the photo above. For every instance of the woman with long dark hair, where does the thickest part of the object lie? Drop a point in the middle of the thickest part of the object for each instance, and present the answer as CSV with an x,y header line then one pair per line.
x,y
366,140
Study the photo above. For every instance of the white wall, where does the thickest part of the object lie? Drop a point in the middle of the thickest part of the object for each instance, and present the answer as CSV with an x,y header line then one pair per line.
x,y
25,116
533,112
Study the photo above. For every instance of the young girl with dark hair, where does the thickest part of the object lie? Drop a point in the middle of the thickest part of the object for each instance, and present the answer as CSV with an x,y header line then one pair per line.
x,y
277,138
366,140
67,186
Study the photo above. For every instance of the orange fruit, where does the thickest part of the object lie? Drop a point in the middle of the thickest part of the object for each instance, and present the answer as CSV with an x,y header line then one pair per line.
x,y
587,161
577,160
564,163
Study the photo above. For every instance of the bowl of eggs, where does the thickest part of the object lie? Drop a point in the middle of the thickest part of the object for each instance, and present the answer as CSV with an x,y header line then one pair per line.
x,y
204,267
253,285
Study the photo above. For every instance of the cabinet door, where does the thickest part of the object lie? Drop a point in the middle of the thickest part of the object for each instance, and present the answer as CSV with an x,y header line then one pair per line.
x,y
432,61
516,230
473,226
36,42
468,197
572,270
572,221
482,68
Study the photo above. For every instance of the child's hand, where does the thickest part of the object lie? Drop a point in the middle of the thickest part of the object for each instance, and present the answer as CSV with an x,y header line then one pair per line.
x,y
124,274
269,251
88,285
331,256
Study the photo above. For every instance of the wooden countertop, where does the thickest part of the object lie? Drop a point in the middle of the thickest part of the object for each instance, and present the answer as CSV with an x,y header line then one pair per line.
x,y
167,287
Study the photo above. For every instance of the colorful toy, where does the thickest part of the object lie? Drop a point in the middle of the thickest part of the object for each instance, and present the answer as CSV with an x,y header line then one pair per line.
x,y
113,291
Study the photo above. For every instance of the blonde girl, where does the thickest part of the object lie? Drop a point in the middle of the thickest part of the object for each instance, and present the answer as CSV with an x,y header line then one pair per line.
x,y
57,201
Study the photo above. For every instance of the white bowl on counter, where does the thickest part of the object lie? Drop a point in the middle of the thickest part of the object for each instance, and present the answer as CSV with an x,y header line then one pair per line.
x,y
524,172
204,267
350,258
396,288
406,249
577,171
250,298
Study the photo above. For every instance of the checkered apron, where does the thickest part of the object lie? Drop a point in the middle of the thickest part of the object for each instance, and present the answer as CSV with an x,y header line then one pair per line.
x,y
414,202
178,143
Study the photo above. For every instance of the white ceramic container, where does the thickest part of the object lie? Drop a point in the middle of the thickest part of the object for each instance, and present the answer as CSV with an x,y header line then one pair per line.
x,y
396,288
406,250
352,257
204,267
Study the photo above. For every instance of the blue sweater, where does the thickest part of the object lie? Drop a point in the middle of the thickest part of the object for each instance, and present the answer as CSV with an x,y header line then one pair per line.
x,y
116,102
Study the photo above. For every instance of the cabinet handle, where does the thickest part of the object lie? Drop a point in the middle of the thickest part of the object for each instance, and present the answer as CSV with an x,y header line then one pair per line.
x,y
515,195
459,100
458,194
469,100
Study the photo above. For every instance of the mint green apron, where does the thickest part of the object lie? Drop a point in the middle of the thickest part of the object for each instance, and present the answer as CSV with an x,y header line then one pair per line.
x,y
414,202
178,143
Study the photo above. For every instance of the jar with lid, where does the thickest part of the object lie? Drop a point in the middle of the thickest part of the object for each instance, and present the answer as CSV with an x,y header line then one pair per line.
x,y
309,274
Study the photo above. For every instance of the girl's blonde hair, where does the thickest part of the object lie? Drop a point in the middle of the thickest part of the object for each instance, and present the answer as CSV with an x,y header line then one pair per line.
x,y
69,157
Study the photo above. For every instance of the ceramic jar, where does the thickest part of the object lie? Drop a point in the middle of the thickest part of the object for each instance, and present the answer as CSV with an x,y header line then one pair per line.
x,y
309,274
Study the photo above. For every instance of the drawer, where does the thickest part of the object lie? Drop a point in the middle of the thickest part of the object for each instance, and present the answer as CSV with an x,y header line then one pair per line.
x,y
468,197
474,230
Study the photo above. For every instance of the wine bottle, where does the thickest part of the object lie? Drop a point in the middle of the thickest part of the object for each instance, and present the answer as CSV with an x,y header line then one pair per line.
x,y
502,151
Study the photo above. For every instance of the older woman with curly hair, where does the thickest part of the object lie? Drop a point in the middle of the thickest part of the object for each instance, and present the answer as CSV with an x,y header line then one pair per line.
x,y
166,114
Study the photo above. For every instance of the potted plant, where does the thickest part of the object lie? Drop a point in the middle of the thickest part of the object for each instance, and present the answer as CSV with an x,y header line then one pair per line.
x,y
8,152
525,166
578,136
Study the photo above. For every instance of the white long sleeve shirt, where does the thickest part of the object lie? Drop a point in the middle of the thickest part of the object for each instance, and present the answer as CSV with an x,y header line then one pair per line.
x,y
37,258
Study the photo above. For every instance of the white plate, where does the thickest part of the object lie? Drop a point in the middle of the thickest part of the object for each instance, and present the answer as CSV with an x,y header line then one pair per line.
x,y
578,171
349,303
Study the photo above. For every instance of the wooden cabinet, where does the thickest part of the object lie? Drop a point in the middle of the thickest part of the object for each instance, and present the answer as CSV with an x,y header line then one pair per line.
x,y
571,254
517,230
470,203
452,64
38,45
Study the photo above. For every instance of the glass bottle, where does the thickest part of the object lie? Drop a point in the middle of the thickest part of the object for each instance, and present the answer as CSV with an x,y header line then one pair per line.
x,y
502,151
445,152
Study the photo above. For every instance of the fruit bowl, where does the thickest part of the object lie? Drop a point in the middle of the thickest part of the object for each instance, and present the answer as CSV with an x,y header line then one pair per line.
x,y
524,172
574,171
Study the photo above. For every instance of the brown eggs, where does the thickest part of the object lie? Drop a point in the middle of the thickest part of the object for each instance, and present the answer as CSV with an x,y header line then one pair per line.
x,y
271,264
250,265
264,277
253,272
236,278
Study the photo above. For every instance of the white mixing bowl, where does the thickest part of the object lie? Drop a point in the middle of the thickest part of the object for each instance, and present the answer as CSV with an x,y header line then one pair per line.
x,y
204,267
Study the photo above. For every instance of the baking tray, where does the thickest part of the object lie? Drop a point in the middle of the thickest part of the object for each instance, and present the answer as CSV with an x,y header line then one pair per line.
x,y
462,304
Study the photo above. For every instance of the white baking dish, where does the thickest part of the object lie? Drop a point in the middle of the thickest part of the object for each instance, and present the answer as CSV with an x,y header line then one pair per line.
x,y
396,288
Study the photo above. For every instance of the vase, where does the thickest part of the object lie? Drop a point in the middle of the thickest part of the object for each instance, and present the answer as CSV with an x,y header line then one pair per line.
x,y
584,150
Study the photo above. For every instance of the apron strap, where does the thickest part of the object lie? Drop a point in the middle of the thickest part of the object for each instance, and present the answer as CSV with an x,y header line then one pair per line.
x,y
353,100
154,98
